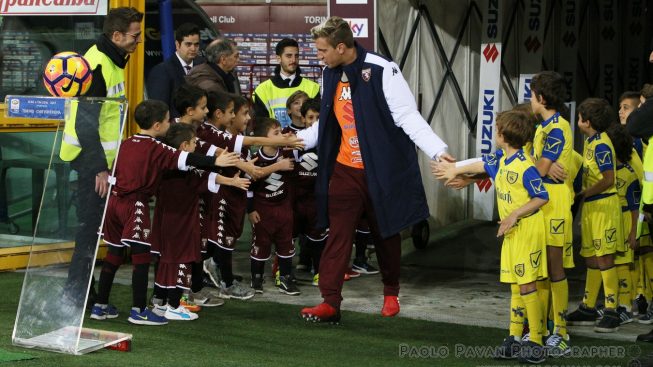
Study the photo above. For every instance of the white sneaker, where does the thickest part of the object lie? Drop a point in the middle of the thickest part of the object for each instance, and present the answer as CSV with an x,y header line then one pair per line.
x,y
179,314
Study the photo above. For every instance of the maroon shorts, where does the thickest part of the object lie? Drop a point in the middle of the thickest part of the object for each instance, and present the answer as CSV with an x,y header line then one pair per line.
x,y
127,221
173,275
232,208
305,219
275,228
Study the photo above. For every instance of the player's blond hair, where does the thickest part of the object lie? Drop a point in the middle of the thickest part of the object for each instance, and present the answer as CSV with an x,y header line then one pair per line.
x,y
336,30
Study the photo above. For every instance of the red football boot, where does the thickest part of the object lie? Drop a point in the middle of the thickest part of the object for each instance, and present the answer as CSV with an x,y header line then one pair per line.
x,y
349,274
390,306
323,312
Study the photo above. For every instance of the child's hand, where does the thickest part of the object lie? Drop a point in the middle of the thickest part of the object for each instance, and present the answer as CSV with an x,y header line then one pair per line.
x,y
254,218
286,164
443,170
460,182
254,171
632,240
240,182
292,141
506,224
557,173
226,159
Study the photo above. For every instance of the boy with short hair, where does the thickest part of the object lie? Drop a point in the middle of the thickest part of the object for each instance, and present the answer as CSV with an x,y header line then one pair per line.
x,y
600,218
270,212
176,234
520,195
138,172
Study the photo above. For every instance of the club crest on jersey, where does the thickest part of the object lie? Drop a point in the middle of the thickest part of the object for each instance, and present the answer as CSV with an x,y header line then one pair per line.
x,y
512,177
519,270
366,74
620,183
589,153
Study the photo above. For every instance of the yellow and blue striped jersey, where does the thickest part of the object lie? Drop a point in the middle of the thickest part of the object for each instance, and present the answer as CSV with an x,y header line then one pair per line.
x,y
516,180
553,141
598,157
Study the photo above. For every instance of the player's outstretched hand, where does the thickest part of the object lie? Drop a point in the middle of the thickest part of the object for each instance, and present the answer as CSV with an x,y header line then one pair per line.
x,y
506,224
227,159
557,173
254,171
293,141
254,218
443,170
286,164
240,182
102,183
446,157
460,182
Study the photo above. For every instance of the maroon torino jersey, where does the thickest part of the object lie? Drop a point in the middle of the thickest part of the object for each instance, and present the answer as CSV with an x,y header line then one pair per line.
x,y
141,163
305,168
221,139
176,224
274,188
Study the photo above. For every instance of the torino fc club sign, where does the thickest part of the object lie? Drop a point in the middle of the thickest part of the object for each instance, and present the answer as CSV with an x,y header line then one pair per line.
x,y
53,7
488,102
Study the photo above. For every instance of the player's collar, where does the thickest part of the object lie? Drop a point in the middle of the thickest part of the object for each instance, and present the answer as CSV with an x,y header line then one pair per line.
x,y
596,136
552,118
519,153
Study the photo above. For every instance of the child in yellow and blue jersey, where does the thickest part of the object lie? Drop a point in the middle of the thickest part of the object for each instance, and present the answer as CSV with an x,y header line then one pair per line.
x,y
629,191
520,195
553,143
602,233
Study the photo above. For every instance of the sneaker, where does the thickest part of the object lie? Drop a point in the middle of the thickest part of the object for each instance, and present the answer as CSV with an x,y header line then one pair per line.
x,y
323,312
647,318
159,310
600,310
531,352
640,306
526,338
557,345
390,306
211,270
509,349
351,274
257,283
146,317
287,286
625,316
583,316
206,298
180,313
188,304
609,323
102,313
362,267
316,280
236,291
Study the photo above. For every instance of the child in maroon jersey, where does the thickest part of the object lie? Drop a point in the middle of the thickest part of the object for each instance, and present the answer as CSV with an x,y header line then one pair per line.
x,y
176,228
139,167
270,212
220,116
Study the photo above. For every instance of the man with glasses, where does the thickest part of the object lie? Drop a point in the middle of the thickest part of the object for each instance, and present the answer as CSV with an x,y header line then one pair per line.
x,y
167,76
90,141
217,74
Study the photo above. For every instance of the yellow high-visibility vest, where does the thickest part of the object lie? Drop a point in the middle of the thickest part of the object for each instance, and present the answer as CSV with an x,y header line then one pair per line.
x,y
109,119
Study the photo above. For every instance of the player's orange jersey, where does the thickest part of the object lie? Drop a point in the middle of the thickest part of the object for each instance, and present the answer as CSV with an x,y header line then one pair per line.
x,y
349,154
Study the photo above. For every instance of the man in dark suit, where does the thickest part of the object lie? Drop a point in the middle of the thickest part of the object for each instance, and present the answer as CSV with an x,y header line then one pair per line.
x,y
166,77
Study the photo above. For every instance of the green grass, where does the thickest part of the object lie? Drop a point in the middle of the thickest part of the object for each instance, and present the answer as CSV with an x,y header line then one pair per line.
x,y
270,334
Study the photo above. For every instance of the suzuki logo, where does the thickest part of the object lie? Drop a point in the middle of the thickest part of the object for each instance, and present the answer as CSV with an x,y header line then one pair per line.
x,y
569,39
490,52
484,185
532,44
